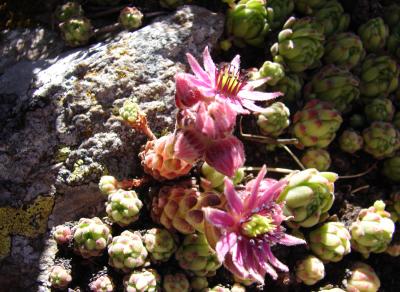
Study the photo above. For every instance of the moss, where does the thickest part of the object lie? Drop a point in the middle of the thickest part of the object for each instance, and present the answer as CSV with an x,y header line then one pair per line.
x,y
29,221
82,171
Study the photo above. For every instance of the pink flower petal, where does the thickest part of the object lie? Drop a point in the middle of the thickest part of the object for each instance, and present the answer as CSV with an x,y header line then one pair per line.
x,y
226,155
224,245
235,64
251,200
234,201
250,85
235,105
209,65
197,70
252,106
255,270
204,122
188,146
263,261
219,218
273,260
233,266
258,95
290,240
185,95
272,193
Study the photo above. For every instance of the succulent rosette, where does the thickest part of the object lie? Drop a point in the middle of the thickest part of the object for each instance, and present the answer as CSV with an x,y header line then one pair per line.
x,y
334,85
271,70
362,279
76,31
180,208
247,22
396,120
197,256
290,86
273,120
244,233
108,184
126,251
160,244
350,141
316,124
62,234
393,42
59,277
379,77
176,282
344,50
68,10
317,158
379,109
102,284
309,7
374,34
332,17
279,11
300,44
123,207
146,280
214,180
391,14
391,168
130,18
310,270
198,283
373,230
330,242
159,159
91,237
381,140
171,4
308,196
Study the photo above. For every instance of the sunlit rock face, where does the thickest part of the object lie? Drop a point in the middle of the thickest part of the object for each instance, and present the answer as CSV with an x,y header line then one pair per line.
x,y
60,131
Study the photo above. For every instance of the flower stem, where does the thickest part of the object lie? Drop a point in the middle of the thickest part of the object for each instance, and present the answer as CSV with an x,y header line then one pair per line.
x,y
358,174
359,189
271,169
294,157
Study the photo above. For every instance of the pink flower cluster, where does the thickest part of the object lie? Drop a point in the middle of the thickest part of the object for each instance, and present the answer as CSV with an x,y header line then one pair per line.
x,y
209,102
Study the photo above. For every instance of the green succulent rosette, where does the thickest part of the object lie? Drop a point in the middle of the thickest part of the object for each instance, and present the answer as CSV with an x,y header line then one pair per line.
x,y
68,10
279,11
197,256
317,158
130,18
373,230
379,77
76,31
391,15
247,23
374,34
308,7
380,110
171,4
332,17
300,44
273,120
214,180
393,43
91,237
274,71
316,124
350,141
362,278
123,207
396,120
160,244
290,85
330,242
146,280
308,196
344,50
126,251
391,168
334,85
381,140
176,282
310,270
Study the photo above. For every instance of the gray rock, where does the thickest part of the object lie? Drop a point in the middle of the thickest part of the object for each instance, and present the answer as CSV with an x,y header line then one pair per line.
x,y
60,130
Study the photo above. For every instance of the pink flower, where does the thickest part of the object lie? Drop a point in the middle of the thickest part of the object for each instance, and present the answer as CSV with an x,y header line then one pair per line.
x,y
205,132
249,227
222,84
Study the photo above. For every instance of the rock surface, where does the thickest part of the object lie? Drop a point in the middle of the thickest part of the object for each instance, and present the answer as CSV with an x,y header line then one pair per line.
x,y
60,132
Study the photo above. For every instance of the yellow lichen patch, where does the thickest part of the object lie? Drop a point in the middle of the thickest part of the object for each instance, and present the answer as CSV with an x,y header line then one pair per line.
x,y
29,221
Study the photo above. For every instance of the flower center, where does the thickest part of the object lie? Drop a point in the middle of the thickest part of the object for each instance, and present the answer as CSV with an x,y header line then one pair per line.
x,y
258,225
229,81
